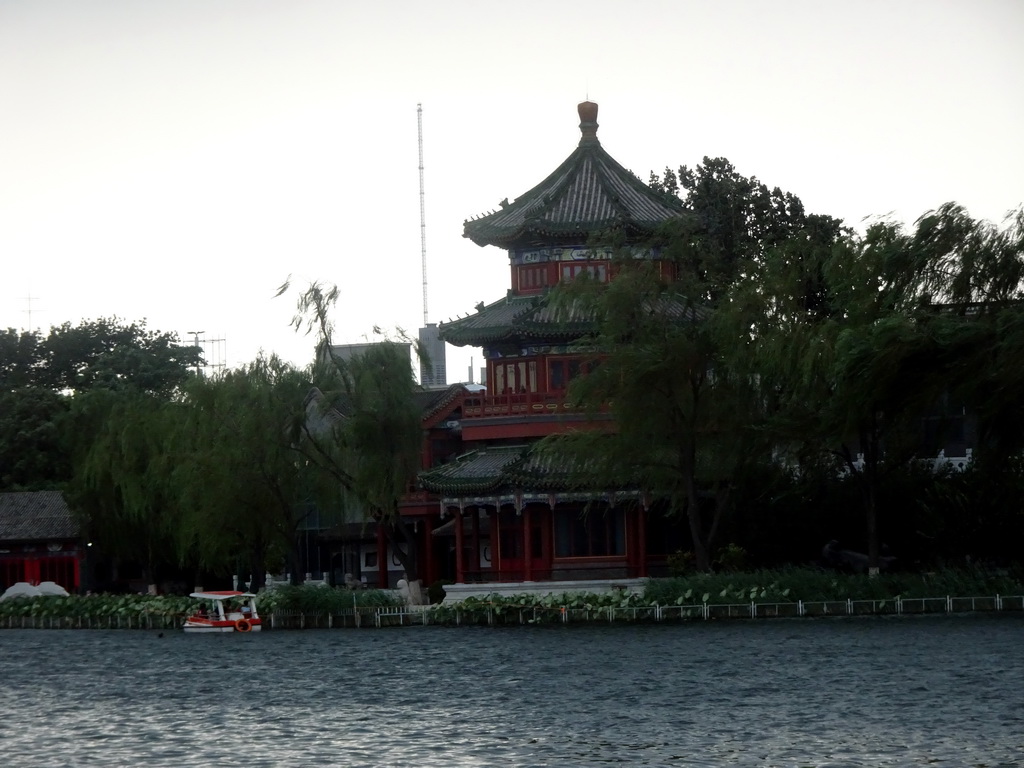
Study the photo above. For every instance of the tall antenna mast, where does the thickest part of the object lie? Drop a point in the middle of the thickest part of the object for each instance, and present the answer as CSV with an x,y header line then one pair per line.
x,y
423,212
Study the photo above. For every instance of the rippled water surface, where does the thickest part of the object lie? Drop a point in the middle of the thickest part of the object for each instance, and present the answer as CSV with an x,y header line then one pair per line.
x,y
839,692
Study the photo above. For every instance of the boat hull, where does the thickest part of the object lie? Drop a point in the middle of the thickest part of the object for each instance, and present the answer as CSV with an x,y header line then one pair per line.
x,y
226,626
224,611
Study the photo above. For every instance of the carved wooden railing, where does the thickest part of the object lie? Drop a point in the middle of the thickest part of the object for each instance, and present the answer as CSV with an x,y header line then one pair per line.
x,y
522,404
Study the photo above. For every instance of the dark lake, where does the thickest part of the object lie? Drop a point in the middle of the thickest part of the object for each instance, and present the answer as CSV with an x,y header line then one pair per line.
x,y
897,691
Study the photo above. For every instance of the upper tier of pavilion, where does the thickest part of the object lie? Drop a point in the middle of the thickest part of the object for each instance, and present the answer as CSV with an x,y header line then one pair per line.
x,y
588,193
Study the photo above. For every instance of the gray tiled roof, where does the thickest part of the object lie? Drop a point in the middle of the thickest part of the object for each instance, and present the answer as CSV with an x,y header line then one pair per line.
x,y
433,401
322,415
517,317
36,516
589,192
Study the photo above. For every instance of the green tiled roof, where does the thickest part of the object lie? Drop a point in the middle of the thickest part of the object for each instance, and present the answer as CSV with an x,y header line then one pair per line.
x,y
509,470
525,318
589,192
517,318
541,472
475,473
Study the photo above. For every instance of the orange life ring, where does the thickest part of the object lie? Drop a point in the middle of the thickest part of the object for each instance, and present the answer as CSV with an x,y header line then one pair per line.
x,y
242,625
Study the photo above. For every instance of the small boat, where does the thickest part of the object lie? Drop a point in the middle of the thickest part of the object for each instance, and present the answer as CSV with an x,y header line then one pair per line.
x,y
227,611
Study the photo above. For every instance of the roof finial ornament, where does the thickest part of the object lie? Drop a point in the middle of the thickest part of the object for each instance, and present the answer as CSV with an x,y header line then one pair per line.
x,y
588,122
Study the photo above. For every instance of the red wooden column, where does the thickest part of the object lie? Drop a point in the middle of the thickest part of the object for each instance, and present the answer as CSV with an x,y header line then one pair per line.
x,y
475,562
460,572
428,551
546,543
527,545
641,541
382,557
496,544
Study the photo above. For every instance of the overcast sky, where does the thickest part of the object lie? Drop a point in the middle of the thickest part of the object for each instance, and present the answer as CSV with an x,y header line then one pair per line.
x,y
177,160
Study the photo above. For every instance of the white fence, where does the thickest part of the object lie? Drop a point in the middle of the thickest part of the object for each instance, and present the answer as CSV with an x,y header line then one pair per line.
x,y
505,614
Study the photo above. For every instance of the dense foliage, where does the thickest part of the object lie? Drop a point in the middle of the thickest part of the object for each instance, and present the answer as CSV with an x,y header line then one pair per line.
x,y
40,376
785,373
364,432
787,382
209,482
160,611
319,599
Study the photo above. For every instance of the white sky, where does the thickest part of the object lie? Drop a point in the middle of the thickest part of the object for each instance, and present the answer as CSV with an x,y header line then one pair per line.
x,y
177,160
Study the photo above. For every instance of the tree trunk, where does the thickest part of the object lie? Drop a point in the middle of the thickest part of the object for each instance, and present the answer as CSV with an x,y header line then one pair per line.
x,y
871,519
871,457
701,554
258,566
400,532
701,551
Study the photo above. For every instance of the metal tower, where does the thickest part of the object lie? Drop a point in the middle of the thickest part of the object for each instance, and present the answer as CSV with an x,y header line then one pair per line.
x,y
423,211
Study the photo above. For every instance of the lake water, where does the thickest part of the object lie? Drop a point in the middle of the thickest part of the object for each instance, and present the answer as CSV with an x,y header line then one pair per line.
x,y
898,691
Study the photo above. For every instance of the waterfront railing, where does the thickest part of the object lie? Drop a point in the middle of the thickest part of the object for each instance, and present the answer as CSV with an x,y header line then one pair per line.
x,y
503,614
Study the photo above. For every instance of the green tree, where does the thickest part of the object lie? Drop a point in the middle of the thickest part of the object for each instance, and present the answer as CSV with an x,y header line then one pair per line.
x,y
210,481
121,484
365,432
684,421
39,376
674,356
242,486
21,359
110,353
32,452
973,274
897,329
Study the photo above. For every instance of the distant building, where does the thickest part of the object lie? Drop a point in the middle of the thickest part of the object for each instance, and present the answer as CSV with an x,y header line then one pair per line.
x,y
348,351
433,368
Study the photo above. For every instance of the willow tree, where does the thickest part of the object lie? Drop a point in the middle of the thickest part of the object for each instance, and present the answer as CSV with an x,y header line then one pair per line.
x,y
242,487
121,482
363,429
683,417
975,280
672,359
897,325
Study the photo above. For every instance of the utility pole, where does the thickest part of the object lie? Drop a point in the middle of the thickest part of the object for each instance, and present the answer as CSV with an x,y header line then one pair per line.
x,y
28,311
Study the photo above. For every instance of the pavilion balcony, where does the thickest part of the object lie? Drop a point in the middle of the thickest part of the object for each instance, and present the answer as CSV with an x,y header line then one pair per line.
x,y
519,405
524,415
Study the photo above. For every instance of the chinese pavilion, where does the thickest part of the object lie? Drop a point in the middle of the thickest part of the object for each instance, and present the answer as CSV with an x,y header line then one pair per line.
x,y
515,517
